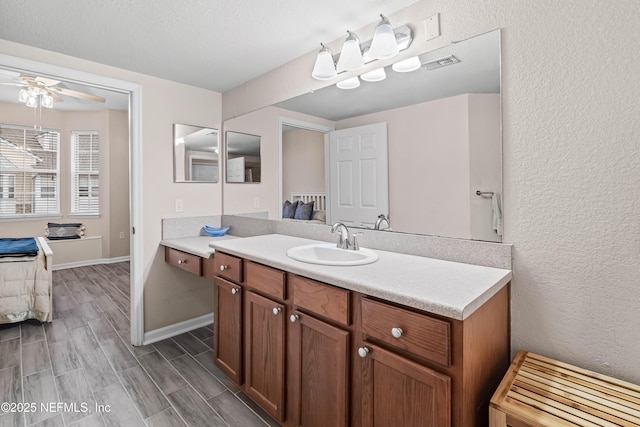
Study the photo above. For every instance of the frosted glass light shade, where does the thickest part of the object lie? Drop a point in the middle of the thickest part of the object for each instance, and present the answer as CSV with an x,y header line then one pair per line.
x,y
23,95
351,83
384,44
32,101
324,68
351,55
374,76
46,101
407,65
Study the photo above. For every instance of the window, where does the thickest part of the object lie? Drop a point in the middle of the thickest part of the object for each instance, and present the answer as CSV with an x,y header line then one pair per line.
x,y
29,168
85,173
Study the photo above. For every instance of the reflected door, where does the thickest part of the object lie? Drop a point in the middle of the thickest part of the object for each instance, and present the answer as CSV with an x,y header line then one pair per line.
x,y
359,189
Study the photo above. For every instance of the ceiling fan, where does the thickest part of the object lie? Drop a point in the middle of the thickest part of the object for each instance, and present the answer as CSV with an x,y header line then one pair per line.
x,y
43,92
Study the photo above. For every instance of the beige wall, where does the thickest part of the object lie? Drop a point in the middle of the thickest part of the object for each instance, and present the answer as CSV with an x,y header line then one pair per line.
x,y
302,162
571,164
113,129
170,295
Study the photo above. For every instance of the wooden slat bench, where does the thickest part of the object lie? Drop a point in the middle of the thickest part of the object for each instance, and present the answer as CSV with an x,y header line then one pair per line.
x,y
538,391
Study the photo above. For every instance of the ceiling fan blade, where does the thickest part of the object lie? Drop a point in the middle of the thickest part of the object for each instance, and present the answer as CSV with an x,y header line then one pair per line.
x,y
47,82
76,94
56,97
15,84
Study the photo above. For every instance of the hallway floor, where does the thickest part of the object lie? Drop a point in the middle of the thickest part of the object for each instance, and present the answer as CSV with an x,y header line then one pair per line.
x,y
83,369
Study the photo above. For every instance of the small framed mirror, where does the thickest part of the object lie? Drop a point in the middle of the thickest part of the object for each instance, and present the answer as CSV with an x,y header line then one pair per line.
x,y
195,154
243,157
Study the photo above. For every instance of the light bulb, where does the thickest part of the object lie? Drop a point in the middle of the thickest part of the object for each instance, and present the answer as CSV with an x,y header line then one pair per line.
x,y
374,76
351,55
324,68
384,44
407,65
350,83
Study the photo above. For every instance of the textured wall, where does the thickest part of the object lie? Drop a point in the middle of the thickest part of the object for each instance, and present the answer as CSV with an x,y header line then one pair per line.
x,y
571,166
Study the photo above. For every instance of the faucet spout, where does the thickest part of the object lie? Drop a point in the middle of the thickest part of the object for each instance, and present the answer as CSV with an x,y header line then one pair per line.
x,y
343,238
381,218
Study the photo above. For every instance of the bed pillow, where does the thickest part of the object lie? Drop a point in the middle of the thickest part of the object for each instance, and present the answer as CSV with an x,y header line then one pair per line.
x,y
289,209
64,231
304,211
319,216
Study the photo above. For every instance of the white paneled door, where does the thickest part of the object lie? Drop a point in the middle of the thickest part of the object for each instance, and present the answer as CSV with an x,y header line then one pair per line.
x,y
359,175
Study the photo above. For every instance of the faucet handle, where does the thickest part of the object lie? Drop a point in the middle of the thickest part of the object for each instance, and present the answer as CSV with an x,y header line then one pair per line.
x,y
354,241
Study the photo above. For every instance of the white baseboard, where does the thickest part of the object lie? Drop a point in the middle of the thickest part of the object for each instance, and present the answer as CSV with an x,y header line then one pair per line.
x,y
90,262
177,328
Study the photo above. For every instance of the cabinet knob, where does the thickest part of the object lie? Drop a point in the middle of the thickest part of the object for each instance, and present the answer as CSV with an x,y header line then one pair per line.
x,y
234,291
363,351
223,267
396,332
276,310
294,318
182,261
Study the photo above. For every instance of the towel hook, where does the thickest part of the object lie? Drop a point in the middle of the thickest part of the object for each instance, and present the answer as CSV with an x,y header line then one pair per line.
x,y
484,193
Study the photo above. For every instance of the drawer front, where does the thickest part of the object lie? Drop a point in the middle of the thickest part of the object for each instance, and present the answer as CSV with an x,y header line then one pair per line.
x,y
325,300
420,334
183,260
265,279
228,266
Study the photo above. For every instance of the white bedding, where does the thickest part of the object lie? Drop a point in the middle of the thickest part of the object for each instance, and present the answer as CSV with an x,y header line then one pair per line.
x,y
25,289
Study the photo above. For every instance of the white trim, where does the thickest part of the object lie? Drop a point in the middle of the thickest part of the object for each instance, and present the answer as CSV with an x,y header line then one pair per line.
x,y
177,328
90,262
282,121
135,164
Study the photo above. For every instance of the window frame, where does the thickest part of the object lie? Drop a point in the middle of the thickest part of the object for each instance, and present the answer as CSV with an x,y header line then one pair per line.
x,y
75,184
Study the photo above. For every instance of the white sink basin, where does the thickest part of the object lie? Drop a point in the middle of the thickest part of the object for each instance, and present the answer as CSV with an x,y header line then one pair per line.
x,y
329,254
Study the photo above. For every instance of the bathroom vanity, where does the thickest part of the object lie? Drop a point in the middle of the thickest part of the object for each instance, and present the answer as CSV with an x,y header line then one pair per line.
x,y
404,341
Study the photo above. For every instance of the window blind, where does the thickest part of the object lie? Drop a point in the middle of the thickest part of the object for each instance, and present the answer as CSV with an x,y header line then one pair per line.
x,y
29,170
85,176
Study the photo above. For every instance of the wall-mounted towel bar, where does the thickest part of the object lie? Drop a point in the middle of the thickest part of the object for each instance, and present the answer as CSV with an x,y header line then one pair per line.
x,y
484,193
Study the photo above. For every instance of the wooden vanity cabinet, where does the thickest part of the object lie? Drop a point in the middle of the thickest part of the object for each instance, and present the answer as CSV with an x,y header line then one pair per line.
x,y
184,261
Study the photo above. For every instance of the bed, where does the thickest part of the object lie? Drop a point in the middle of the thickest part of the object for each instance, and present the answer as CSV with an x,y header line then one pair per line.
x,y
26,286
319,207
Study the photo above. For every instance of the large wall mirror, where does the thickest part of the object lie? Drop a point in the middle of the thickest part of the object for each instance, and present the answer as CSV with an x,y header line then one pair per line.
x,y
444,145
243,157
195,154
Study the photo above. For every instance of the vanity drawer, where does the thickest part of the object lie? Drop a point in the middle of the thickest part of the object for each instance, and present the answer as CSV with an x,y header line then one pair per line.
x,y
228,266
420,334
265,279
324,300
183,260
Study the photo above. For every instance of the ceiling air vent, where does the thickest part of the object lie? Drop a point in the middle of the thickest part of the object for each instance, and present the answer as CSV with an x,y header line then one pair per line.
x,y
439,63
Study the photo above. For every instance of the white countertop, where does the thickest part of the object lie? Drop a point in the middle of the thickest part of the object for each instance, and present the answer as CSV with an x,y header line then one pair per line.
x,y
196,245
446,288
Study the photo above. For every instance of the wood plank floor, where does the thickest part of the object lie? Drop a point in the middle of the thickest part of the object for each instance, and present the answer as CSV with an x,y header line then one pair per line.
x,y
82,367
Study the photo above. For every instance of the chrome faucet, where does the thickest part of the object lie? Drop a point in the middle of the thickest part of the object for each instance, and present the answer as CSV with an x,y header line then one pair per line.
x,y
381,218
343,239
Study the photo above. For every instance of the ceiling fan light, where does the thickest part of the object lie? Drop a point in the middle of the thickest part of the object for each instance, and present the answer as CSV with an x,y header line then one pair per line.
x,y
384,44
374,76
350,83
46,101
23,95
32,101
351,55
324,68
407,65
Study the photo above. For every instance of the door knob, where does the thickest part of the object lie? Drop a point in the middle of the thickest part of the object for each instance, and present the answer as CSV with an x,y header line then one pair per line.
x,y
182,261
276,310
363,352
396,332
234,291
223,267
294,318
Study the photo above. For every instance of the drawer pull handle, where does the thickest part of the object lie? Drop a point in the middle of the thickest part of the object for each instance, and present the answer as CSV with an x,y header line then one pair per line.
x,y
294,318
276,310
363,352
396,332
234,291
223,267
182,261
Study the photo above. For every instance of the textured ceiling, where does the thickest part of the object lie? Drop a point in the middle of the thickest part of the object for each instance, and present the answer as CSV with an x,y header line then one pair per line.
x,y
212,44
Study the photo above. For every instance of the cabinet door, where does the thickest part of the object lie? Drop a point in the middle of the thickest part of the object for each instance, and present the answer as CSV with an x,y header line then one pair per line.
x,y
227,337
265,353
322,377
399,392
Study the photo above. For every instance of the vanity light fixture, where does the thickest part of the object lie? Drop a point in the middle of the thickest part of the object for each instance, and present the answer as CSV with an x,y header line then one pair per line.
x,y
376,75
324,68
384,44
407,65
350,83
351,56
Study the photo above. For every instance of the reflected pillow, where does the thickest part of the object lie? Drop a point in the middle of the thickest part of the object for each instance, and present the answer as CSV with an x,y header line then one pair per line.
x,y
304,211
289,209
320,216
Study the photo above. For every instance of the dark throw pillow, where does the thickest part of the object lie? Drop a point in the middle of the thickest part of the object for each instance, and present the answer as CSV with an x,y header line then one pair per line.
x,y
304,211
289,209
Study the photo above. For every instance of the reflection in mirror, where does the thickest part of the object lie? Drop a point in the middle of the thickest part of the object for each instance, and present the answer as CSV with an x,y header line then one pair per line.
x,y
195,154
444,140
243,157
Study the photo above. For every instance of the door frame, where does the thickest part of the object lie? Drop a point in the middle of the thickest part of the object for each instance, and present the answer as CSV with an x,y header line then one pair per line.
x,y
134,90
300,124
